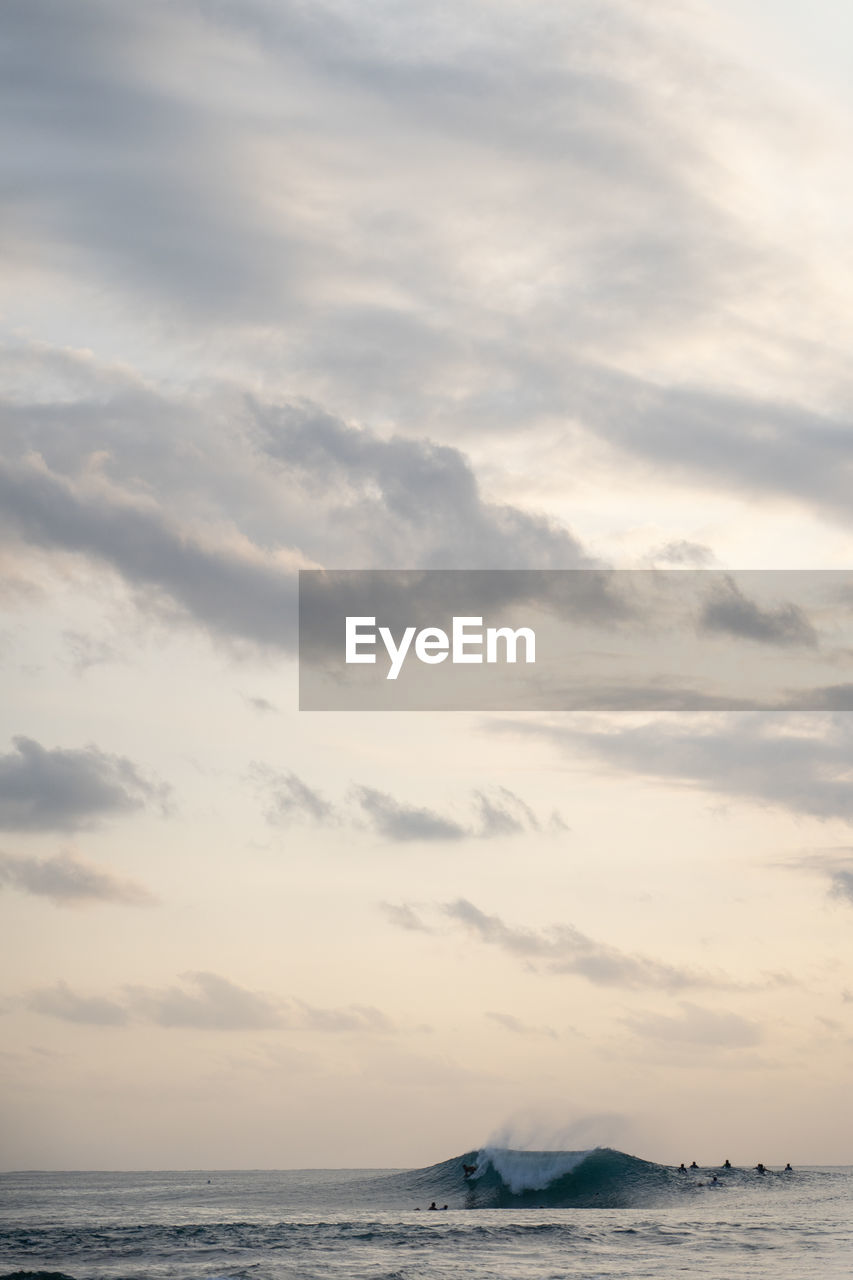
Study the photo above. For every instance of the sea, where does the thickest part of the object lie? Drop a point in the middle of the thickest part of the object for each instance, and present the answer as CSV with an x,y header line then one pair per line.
x,y
499,1215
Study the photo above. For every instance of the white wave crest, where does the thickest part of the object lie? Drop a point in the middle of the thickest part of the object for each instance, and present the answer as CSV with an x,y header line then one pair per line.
x,y
529,1170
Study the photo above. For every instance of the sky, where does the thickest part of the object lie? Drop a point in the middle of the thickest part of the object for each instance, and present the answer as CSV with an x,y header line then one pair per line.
x,y
395,285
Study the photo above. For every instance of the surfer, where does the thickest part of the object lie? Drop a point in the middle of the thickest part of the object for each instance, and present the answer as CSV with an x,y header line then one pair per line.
x,y
759,1168
694,1165
433,1205
681,1168
727,1164
788,1168
714,1180
468,1169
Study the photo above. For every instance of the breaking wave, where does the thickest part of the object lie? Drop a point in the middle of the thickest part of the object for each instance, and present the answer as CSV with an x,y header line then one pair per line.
x,y
497,1177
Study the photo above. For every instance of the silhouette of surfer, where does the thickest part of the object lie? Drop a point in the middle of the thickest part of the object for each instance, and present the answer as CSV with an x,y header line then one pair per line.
x,y
433,1205
759,1168
788,1168
468,1169
727,1164
694,1165
681,1168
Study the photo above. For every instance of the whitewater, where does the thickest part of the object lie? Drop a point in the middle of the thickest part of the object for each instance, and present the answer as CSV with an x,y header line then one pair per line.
x,y
509,1215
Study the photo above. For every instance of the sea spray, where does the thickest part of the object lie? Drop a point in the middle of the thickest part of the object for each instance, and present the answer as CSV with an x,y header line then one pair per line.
x,y
522,1171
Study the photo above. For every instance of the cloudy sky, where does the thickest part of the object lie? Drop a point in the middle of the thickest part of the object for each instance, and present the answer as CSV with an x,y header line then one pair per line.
x,y
394,284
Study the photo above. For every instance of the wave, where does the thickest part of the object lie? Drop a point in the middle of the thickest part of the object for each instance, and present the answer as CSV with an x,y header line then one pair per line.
x,y
35,1275
498,1177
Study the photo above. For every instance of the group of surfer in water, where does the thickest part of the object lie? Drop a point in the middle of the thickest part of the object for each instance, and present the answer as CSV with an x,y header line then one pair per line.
x,y
727,1164
470,1169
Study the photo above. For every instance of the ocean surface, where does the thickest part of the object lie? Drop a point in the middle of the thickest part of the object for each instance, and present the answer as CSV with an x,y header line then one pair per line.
x,y
514,1216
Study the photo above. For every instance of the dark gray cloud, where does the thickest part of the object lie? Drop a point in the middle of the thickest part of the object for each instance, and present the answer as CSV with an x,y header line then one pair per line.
x,y
68,881
196,158
563,949
791,762
419,498
708,1028
61,1002
498,812
63,789
194,224
401,822
296,485
718,438
232,592
729,612
171,224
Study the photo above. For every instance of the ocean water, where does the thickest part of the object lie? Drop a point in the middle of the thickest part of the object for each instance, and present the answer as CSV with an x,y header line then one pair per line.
x,y
516,1216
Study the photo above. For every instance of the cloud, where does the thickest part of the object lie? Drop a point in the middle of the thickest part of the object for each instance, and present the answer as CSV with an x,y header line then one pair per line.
x,y
356,1017
418,499
563,949
233,591
695,1025
552,218
207,1002
834,865
402,823
842,884
273,97
796,763
66,880
212,1003
504,814
404,916
290,799
497,813
171,224
61,1002
263,705
718,438
86,651
209,525
834,697
683,553
729,612
519,1028
65,789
